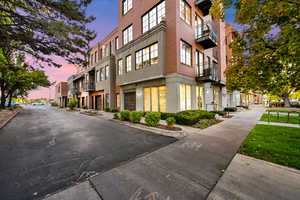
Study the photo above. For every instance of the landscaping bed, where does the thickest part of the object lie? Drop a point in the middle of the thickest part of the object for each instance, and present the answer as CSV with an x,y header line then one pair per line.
x,y
276,144
90,113
205,123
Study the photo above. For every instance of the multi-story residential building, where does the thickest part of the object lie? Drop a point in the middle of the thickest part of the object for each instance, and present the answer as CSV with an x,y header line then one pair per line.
x,y
165,55
61,94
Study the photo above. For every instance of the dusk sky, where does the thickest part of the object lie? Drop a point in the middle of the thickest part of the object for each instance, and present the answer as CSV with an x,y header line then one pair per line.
x,y
106,13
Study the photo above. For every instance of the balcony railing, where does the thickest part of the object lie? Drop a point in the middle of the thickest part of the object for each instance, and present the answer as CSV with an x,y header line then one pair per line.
x,y
206,36
89,86
208,74
204,6
75,91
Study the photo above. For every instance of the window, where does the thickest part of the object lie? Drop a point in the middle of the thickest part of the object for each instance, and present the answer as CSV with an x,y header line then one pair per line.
x,y
199,61
199,97
198,26
127,5
117,43
185,53
120,67
185,97
102,74
92,59
185,11
146,56
128,63
154,53
106,72
154,17
139,59
105,50
127,35
155,99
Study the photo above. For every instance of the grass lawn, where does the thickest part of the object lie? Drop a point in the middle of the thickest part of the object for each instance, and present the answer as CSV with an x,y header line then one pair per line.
x,y
282,118
277,144
284,111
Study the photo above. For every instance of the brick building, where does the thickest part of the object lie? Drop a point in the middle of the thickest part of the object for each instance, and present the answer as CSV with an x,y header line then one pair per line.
x,y
61,93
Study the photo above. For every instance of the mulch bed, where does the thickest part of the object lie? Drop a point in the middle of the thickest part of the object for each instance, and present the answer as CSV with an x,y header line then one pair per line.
x,y
165,127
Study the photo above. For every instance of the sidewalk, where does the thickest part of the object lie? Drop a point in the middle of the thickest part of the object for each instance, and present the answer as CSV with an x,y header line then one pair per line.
x,y
249,179
279,124
187,169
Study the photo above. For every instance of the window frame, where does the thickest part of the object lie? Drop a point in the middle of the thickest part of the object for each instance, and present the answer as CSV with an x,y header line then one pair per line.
x,y
126,63
148,19
185,6
120,68
186,45
149,55
159,105
126,2
126,31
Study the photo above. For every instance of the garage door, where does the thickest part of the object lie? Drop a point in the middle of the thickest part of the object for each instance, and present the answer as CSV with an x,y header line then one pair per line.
x,y
130,101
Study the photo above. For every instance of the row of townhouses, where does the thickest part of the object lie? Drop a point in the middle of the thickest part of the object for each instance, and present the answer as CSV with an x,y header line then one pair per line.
x,y
164,55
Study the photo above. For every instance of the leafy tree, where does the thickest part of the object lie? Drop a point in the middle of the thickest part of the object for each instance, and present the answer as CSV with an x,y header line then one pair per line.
x,y
17,78
46,28
266,52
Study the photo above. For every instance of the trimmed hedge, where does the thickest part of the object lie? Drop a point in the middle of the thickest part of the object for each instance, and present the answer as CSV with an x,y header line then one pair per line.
x,y
165,115
230,109
124,115
135,116
170,121
152,118
221,113
191,117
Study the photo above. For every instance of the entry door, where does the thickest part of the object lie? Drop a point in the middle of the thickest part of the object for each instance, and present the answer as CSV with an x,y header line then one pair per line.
x,y
130,101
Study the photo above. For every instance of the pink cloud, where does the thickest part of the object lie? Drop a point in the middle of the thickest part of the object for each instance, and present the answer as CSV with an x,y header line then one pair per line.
x,y
54,75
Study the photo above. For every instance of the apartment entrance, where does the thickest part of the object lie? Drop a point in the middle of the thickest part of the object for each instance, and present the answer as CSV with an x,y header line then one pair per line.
x,y
130,101
99,102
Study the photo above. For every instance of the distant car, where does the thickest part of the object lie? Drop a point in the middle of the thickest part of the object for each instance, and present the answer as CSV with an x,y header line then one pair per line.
x,y
38,104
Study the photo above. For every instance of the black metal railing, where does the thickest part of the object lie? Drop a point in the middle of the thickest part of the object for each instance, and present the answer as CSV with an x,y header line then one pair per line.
x,y
89,85
208,73
206,35
204,5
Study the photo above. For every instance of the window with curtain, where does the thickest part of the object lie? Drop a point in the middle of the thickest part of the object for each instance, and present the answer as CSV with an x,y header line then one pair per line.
x,y
153,17
155,99
185,97
185,53
185,11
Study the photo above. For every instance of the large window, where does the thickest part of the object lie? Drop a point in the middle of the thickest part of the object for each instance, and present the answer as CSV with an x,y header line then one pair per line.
x,y
185,53
102,74
127,35
128,63
154,17
199,61
147,56
200,98
198,26
185,97
185,11
117,43
106,72
127,5
120,67
155,99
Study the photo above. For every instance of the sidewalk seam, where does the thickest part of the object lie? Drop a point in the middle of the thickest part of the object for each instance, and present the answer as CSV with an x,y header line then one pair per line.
x,y
94,187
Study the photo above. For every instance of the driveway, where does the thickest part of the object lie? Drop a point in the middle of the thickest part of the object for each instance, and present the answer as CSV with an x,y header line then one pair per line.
x,y
44,150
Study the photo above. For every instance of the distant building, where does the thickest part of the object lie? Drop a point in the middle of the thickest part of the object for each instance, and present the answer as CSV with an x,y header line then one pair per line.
x,y
61,94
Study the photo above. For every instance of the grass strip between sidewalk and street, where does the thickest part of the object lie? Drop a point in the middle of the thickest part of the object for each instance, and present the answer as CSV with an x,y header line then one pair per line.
x,y
275,144
292,119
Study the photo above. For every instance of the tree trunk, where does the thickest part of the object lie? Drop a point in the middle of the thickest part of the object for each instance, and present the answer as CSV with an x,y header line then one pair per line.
x,y
287,102
3,100
9,100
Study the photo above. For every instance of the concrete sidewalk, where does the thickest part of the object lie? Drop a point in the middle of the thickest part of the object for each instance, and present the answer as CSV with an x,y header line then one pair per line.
x,y
279,124
187,169
250,179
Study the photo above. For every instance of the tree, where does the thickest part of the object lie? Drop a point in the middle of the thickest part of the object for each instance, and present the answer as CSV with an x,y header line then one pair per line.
x,y
17,78
46,28
266,52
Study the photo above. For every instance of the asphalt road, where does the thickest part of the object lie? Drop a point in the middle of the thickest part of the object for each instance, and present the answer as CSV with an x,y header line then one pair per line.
x,y
44,150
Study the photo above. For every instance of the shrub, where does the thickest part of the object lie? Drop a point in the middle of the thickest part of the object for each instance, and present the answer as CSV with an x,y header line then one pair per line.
x,y
72,103
165,115
54,103
125,115
135,116
170,121
230,109
152,118
114,110
116,116
107,109
191,117
84,107
296,105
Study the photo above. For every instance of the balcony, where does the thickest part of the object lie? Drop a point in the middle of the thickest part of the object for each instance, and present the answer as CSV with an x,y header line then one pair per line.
x,y
206,36
204,6
75,91
89,86
207,75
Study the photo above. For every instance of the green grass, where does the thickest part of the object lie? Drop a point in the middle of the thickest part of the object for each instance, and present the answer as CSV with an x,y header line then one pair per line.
x,y
277,144
282,118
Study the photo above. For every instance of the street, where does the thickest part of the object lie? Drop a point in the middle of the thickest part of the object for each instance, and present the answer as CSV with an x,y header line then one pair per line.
x,y
44,150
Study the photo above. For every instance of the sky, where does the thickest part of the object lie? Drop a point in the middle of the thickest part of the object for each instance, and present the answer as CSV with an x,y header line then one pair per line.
x,y
106,13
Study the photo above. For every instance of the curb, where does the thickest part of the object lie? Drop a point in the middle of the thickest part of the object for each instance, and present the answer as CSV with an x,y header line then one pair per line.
x,y
10,118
